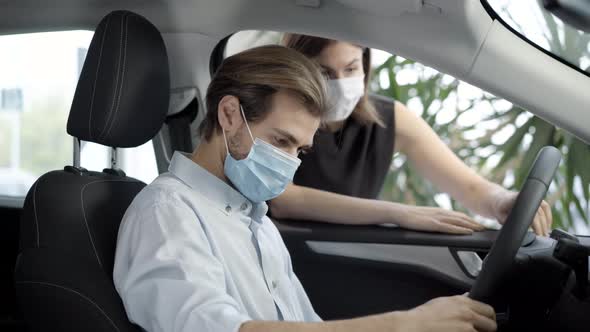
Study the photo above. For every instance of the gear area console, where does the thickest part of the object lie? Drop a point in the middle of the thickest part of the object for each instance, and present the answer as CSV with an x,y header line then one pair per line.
x,y
549,287
572,310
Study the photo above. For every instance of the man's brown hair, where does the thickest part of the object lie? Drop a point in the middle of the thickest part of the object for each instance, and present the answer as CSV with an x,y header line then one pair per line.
x,y
255,75
311,47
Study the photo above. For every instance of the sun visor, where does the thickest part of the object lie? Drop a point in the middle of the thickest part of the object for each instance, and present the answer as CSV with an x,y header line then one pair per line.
x,y
386,8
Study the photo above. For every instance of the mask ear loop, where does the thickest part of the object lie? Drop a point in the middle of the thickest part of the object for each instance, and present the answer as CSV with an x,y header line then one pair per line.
x,y
247,127
246,121
225,141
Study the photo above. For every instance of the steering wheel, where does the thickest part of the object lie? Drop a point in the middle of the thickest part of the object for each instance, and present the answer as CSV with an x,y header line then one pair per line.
x,y
498,262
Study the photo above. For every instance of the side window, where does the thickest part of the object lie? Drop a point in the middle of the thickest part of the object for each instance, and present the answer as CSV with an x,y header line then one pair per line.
x,y
139,162
37,84
491,135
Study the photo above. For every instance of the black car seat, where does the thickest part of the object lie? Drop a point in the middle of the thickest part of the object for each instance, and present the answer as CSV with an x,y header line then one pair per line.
x,y
70,221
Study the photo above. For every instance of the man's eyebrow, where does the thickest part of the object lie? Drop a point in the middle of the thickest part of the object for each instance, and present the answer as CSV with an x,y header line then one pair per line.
x,y
288,136
292,139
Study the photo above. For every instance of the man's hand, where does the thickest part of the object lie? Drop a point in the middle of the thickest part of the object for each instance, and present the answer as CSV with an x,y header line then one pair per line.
x,y
432,219
444,314
449,314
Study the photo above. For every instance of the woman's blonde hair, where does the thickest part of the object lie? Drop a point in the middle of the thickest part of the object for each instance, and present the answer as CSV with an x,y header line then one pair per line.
x,y
255,75
364,112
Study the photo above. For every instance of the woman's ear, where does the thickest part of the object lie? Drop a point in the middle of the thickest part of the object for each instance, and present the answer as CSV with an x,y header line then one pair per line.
x,y
229,115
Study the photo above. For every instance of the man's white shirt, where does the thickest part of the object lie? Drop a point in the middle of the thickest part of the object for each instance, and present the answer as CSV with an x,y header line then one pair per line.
x,y
193,254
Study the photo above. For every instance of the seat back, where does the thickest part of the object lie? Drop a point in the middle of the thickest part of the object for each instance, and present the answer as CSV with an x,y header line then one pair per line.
x,y
71,217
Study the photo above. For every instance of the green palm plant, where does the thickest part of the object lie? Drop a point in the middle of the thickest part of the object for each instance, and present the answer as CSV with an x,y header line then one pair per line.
x,y
504,161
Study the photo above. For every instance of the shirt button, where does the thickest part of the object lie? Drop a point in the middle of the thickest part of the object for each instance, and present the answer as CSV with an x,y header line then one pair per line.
x,y
244,206
274,284
228,209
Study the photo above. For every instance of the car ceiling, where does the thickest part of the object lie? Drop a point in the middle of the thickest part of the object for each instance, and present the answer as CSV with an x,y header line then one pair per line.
x,y
457,37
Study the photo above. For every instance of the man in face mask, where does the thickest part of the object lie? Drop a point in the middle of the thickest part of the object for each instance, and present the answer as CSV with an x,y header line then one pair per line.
x,y
196,251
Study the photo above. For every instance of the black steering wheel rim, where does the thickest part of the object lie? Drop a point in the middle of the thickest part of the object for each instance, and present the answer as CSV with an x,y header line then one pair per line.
x,y
499,260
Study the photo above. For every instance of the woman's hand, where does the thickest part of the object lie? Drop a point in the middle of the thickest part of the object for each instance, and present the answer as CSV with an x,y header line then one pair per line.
x,y
432,219
502,203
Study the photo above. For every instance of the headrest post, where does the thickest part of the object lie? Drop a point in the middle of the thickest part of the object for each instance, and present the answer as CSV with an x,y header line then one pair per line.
x,y
76,162
113,158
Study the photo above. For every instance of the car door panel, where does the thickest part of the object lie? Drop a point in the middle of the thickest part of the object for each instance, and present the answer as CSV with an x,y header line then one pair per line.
x,y
439,262
350,271
9,236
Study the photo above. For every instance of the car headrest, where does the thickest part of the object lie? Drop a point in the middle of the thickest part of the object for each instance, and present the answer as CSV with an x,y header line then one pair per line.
x,y
122,95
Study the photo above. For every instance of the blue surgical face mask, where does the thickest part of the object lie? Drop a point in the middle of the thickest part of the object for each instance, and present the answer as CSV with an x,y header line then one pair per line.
x,y
264,173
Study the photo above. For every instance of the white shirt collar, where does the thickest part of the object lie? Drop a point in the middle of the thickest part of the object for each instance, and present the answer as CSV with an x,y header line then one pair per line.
x,y
225,197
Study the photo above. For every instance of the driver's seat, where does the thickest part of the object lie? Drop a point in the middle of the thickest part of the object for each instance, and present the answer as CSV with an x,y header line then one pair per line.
x,y
63,276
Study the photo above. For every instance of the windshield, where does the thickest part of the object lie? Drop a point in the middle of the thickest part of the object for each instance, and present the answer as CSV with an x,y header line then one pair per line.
x,y
530,19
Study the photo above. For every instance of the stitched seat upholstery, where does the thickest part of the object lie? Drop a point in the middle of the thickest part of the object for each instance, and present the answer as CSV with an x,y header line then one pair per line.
x,y
71,217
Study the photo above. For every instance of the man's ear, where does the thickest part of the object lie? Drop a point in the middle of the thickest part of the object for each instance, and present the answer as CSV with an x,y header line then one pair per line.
x,y
229,115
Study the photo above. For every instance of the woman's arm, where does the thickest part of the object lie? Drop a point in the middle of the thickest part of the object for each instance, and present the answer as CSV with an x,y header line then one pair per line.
x,y
434,160
304,203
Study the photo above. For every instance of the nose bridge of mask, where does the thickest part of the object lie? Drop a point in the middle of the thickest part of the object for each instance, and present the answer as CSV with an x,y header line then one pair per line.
x,y
272,169
272,158
350,84
349,88
278,152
